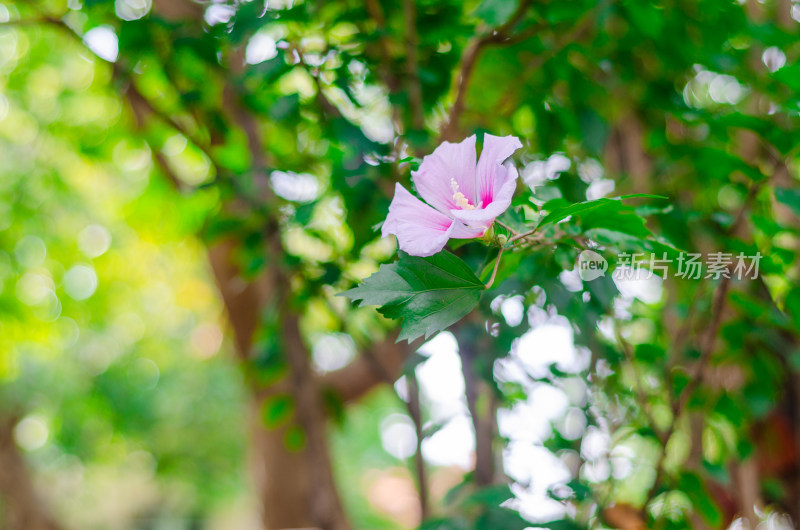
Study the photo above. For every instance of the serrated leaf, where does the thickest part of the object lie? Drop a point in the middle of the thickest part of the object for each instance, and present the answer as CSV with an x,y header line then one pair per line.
x,y
428,294
557,212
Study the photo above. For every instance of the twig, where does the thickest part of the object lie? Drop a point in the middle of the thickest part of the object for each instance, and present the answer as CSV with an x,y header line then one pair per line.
x,y
483,424
468,59
415,411
523,235
412,65
641,394
706,347
580,26
496,266
376,12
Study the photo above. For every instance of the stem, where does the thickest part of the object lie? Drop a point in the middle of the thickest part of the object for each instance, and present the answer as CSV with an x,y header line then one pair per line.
x,y
415,411
523,235
496,266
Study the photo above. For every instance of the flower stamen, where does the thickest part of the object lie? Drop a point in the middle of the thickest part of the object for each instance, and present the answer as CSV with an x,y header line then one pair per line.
x,y
459,198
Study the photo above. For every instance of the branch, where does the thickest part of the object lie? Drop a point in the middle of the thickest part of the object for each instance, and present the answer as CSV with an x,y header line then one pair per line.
x,y
697,377
376,12
380,363
496,266
580,26
412,65
468,59
483,424
640,390
415,411
23,507
706,346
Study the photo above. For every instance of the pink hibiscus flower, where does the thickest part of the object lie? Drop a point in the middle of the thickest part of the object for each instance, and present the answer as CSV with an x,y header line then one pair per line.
x,y
464,197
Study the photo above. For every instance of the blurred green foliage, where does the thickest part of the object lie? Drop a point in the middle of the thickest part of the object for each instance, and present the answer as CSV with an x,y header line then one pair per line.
x,y
134,136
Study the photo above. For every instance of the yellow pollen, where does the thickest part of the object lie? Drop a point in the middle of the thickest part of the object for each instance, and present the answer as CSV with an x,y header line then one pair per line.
x,y
459,198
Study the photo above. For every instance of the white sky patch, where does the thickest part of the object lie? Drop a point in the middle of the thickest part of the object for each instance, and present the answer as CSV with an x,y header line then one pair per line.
x,y
524,422
103,42
398,436
333,351
401,387
599,188
298,187
452,445
573,424
374,115
442,341
510,370
513,310
571,279
261,47
442,384
595,444
774,59
540,171
535,465
639,283
536,471
621,461
547,344
440,377
549,401
218,14
708,87
590,170
596,471
527,424
132,9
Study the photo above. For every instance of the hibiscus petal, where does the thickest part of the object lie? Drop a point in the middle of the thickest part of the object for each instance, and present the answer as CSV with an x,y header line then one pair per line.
x,y
420,229
490,175
448,161
507,176
462,231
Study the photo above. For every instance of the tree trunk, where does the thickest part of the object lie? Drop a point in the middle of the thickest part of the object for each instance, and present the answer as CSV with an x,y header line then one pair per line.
x,y
285,481
295,486
20,506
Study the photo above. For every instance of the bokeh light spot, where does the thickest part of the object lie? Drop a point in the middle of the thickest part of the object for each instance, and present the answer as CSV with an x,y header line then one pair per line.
x,y
80,282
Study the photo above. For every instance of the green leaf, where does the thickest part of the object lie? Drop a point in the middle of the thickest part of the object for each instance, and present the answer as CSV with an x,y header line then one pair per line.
x,y
558,213
789,197
428,294
701,499
559,209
